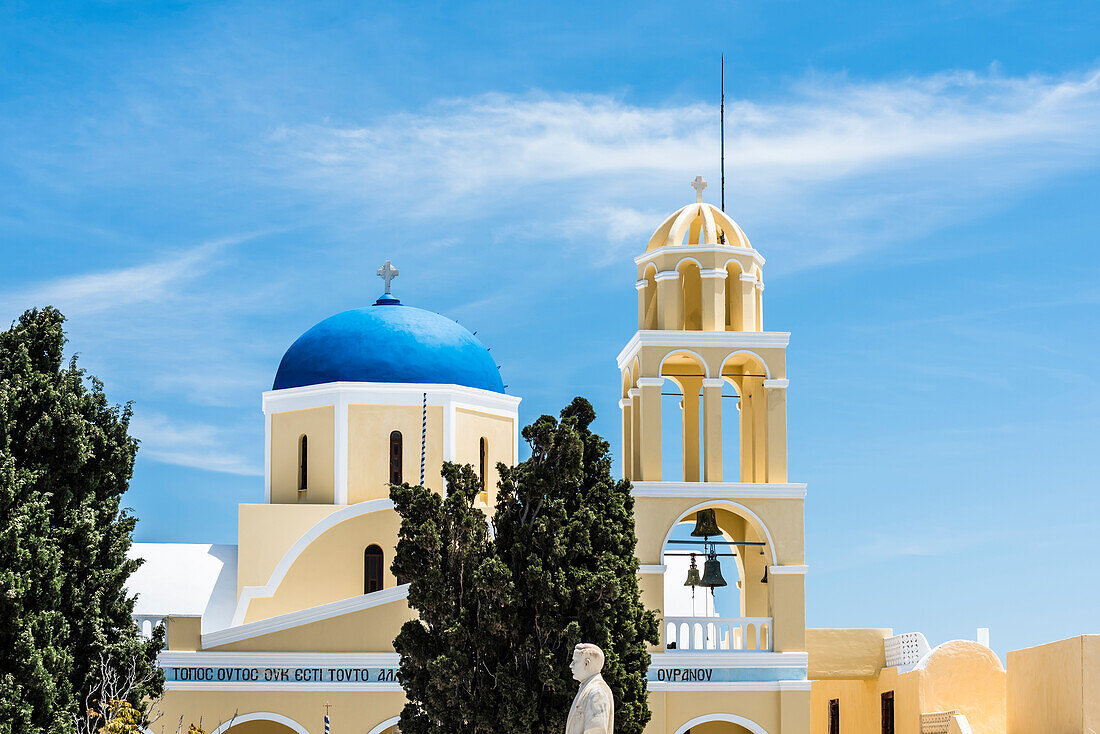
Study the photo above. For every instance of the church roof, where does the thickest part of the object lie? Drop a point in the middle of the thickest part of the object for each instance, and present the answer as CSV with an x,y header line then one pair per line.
x,y
388,342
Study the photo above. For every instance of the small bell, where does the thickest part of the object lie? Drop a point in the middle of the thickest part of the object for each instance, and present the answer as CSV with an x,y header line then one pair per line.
x,y
764,580
693,578
712,573
706,525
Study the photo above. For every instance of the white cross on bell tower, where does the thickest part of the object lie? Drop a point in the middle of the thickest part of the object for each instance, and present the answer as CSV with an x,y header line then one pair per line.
x,y
387,273
698,184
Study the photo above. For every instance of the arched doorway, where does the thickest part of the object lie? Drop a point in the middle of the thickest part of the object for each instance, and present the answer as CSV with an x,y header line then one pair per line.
x,y
721,724
261,722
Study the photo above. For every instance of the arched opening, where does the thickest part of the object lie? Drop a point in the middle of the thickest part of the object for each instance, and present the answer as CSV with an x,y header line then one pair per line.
x,y
303,466
720,724
735,318
373,569
680,397
691,295
747,372
483,464
396,458
731,617
260,722
650,297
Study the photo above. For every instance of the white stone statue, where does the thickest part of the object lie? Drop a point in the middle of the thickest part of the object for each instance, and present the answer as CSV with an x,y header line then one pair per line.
x,y
593,709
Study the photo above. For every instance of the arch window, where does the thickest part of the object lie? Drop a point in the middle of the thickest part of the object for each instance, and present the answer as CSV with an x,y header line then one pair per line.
x,y
303,465
735,320
691,290
372,569
483,463
396,475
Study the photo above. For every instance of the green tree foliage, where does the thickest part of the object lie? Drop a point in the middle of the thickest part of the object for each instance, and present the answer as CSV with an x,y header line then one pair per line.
x,y
491,649
65,460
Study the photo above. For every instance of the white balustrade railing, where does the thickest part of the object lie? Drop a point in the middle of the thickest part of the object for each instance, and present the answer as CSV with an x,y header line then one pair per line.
x,y
717,634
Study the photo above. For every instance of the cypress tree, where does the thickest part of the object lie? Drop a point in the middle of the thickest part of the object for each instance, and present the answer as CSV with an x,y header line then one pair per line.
x,y
499,616
65,461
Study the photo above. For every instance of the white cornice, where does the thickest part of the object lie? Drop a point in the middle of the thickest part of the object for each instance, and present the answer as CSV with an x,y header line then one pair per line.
x,y
666,275
717,273
695,249
777,685
215,658
651,381
652,568
728,659
688,339
720,490
385,393
788,570
304,616
777,384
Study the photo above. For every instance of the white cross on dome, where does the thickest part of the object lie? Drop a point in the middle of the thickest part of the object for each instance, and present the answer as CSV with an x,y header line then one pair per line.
x,y
387,273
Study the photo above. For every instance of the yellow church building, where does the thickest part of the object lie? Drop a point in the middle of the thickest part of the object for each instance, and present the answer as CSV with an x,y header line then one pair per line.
x,y
299,617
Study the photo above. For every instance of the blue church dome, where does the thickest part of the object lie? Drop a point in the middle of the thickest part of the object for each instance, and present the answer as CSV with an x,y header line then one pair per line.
x,y
388,342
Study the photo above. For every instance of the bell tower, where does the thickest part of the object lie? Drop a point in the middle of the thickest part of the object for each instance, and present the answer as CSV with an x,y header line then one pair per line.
x,y
714,462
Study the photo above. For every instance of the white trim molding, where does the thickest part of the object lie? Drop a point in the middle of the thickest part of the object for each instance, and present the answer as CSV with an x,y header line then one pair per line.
x,y
393,721
666,275
640,285
772,685
777,384
748,277
701,249
386,393
652,568
319,613
720,490
739,659
788,570
713,273
734,340
651,381
624,403
248,593
713,382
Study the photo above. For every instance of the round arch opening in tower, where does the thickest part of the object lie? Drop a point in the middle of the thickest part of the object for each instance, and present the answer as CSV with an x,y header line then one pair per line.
x,y
681,416
746,372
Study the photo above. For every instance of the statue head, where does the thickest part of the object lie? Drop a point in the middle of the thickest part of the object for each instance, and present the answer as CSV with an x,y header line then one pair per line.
x,y
587,661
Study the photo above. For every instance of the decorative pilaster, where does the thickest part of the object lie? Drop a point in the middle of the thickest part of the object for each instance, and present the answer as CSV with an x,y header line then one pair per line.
x,y
713,299
748,302
712,429
628,448
776,393
650,436
668,301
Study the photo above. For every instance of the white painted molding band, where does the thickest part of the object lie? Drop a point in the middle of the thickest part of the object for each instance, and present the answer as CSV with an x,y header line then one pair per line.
x,y
759,286
738,251
732,340
200,659
748,277
666,275
651,381
282,622
778,384
713,382
788,570
625,403
740,659
715,273
781,685
640,285
633,392
720,490
652,568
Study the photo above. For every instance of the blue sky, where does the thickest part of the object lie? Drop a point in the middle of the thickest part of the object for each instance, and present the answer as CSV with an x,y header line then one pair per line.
x,y
197,184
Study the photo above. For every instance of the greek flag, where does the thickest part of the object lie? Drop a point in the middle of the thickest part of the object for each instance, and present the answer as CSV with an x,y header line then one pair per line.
x,y
326,724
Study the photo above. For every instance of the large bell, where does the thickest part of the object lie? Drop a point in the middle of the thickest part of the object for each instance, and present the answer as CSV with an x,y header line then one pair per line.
x,y
712,573
706,525
693,578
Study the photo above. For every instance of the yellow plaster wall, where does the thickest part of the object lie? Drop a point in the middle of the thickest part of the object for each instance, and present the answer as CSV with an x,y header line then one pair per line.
x,y
861,703
266,532
967,676
846,653
368,630
331,567
470,426
351,711
1055,688
369,428
788,612
286,427
183,633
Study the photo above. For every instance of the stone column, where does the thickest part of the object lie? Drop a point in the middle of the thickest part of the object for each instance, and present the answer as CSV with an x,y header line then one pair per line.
x,y
712,429
669,316
760,306
690,415
635,396
776,394
626,461
759,430
650,436
640,286
748,302
714,299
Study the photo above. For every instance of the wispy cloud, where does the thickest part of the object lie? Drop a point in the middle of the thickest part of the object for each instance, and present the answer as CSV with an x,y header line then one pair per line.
x,y
864,164
195,445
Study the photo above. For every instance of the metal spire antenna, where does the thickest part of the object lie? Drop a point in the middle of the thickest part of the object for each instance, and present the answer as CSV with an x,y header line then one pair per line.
x,y
722,124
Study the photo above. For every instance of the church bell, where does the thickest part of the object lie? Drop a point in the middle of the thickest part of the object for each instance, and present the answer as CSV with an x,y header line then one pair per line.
x,y
693,578
706,525
712,573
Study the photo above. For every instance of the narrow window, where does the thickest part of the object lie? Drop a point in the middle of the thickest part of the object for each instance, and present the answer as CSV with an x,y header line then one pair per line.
x,y
888,712
484,464
303,463
834,716
395,458
372,569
